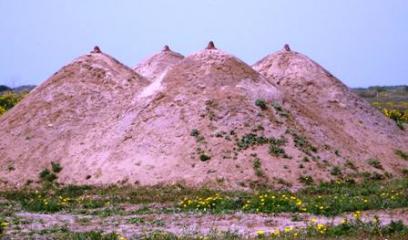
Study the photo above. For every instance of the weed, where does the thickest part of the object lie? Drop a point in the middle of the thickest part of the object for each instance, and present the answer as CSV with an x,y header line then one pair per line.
x,y
56,167
335,171
402,154
375,163
257,165
307,180
275,150
261,104
204,157
350,165
47,176
136,220
303,144
194,133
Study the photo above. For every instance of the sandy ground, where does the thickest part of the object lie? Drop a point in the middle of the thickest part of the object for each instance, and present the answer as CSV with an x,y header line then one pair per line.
x,y
183,223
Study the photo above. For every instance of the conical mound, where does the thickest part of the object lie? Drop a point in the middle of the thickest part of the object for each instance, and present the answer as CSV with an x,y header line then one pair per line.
x,y
156,65
333,114
216,122
64,119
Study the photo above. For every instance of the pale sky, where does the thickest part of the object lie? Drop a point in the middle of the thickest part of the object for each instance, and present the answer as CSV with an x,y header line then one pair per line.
x,y
362,42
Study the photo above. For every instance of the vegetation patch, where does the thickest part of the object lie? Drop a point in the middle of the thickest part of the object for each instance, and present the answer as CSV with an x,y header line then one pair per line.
x,y
257,165
275,144
261,104
10,99
325,199
302,143
49,176
281,111
204,157
348,229
375,163
401,154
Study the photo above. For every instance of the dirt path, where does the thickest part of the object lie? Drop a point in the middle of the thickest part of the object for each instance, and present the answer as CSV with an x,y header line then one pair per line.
x,y
182,223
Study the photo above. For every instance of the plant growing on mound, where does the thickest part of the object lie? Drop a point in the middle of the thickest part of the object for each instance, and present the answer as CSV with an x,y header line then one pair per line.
x,y
204,157
306,180
49,176
276,150
56,167
257,165
335,171
194,132
375,163
302,143
402,154
282,112
261,104
275,144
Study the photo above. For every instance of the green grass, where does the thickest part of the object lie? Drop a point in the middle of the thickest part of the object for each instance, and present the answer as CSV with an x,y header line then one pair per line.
x,y
325,199
348,229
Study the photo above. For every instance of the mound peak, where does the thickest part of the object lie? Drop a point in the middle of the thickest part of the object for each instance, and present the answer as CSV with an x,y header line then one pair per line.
x,y
159,63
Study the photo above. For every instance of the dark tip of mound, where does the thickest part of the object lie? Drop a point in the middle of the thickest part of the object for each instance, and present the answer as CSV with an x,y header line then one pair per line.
x,y
287,47
211,45
166,48
96,50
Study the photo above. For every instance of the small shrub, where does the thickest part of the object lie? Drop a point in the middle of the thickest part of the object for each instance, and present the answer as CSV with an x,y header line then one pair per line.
x,y
303,144
261,104
307,180
405,172
56,167
375,163
194,133
402,154
350,165
204,157
335,171
275,150
256,164
47,176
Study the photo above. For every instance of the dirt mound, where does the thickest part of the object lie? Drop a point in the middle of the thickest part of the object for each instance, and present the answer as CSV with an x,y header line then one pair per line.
x,y
211,122
333,114
63,119
207,119
156,65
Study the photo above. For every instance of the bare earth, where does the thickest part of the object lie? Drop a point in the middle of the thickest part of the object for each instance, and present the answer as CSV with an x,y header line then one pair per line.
x,y
105,123
183,223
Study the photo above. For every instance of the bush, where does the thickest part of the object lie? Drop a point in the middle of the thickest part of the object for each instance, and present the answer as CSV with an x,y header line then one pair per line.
x,y
307,180
402,154
275,150
47,176
204,157
375,163
194,133
261,104
335,171
56,167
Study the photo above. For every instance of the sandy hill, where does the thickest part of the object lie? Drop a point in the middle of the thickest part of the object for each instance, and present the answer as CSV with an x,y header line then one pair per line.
x,y
63,119
333,114
156,65
206,119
